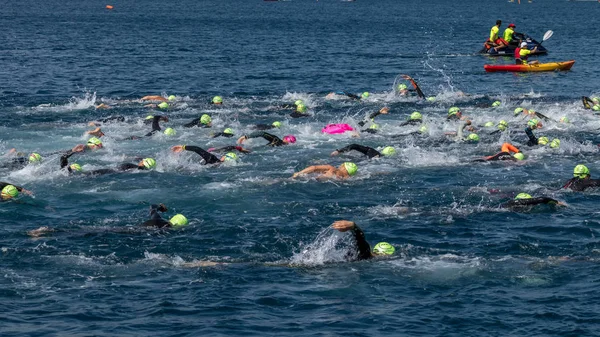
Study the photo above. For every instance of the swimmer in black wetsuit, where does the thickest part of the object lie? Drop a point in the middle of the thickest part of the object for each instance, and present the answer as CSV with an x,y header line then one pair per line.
x,y
372,116
532,124
300,112
367,151
145,164
266,126
204,122
9,191
19,159
157,221
581,179
364,95
227,133
524,200
415,119
229,148
107,120
272,139
208,157
362,251
590,103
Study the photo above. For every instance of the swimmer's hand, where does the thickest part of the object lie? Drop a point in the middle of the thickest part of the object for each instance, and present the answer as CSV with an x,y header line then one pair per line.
x,y
384,110
343,225
96,132
164,118
177,148
26,191
336,152
242,139
162,207
296,175
79,148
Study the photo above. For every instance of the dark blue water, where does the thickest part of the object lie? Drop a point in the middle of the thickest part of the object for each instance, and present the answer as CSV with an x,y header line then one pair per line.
x,y
463,265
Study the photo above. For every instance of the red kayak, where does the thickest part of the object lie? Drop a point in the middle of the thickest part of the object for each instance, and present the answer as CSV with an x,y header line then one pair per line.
x,y
552,66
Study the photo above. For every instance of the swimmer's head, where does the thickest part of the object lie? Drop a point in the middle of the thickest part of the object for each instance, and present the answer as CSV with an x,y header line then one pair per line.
x,y
488,124
374,126
364,95
431,99
301,108
534,123
519,156
502,125
555,143
383,248
205,119
388,151
415,116
149,117
178,220
454,111
596,100
298,102
9,192
217,100
171,98
163,105
228,131
351,168
518,111
581,171
76,167
230,156
423,129
402,87
496,104
149,163
564,119
290,139
170,132
35,158
596,107
276,124
522,196
94,143
473,137
543,140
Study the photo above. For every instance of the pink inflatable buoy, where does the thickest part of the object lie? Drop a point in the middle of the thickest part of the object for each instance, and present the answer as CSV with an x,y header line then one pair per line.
x,y
336,128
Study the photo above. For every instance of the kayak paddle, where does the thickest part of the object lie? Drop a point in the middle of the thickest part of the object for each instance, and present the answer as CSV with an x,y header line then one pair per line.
x,y
546,36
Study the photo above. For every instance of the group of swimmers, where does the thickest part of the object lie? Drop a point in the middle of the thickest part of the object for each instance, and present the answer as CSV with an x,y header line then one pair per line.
x,y
508,152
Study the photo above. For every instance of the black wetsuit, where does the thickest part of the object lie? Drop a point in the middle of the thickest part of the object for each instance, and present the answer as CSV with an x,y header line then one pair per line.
x,y
272,139
263,127
412,122
229,149
64,162
497,156
155,128
16,163
208,157
578,184
155,219
369,130
587,102
112,119
363,249
370,118
297,114
367,151
532,138
222,134
3,185
530,202
453,117
196,122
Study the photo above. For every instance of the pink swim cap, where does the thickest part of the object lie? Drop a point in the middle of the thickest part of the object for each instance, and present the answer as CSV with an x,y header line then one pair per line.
x,y
290,139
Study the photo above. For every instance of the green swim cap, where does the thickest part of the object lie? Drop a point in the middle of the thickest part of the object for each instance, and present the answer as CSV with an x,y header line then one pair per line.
x,y
581,171
431,99
231,156
555,143
276,124
533,123
402,86
171,98
488,124
298,102
217,100
149,117
374,126
301,108
564,119
205,119
596,107
228,131
364,95
170,132
518,111
149,163
522,196
9,192
519,156
423,129
453,111
496,104
415,116
502,125
35,158
351,168
388,151
543,140
384,248
94,142
163,105
473,137
178,220
76,167
596,100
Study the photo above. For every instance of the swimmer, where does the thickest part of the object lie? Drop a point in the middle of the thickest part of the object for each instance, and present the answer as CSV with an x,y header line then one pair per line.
x,y
344,171
10,191
454,114
532,124
526,200
273,125
207,157
228,133
204,122
154,98
382,111
367,151
102,106
504,154
144,164
300,111
155,128
157,221
272,139
20,159
415,118
529,113
362,251
502,127
217,100
364,95
591,103
107,120
229,148
92,144
415,85
581,179
291,106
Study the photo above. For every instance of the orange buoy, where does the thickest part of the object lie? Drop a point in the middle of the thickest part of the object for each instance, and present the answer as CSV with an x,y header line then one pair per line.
x,y
109,7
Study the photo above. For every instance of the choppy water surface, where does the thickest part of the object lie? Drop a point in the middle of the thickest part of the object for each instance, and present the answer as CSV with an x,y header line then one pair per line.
x,y
463,265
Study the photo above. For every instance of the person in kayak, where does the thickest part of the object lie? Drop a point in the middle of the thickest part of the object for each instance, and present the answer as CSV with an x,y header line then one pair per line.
x,y
273,125
362,251
509,34
382,111
495,41
522,54
157,221
344,171
504,154
144,164
366,150
272,139
532,124
581,179
204,122
524,200
10,191
208,157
